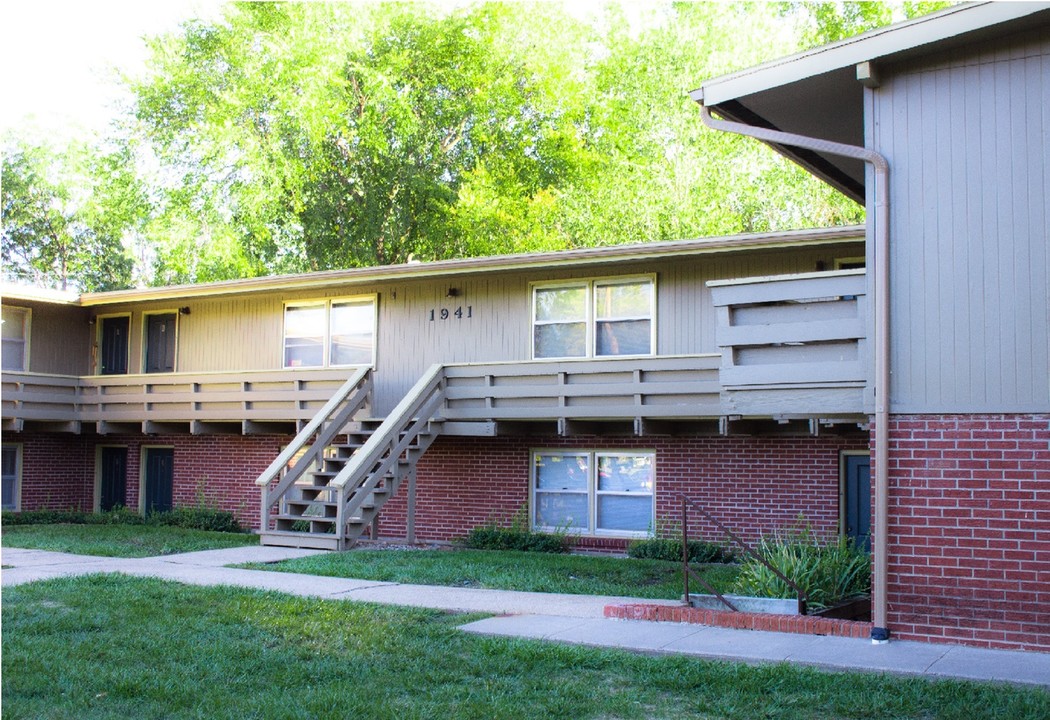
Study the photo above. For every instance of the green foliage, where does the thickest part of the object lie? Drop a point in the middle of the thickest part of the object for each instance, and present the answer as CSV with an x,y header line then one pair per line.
x,y
670,549
827,572
81,647
198,518
66,213
517,536
827,22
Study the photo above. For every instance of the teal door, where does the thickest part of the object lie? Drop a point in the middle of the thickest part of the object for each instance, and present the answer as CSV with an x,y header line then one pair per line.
x,y
160,477
113,478
857,498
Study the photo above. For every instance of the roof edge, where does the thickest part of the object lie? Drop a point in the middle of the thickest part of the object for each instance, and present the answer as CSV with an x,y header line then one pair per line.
x,y
495,263
872,45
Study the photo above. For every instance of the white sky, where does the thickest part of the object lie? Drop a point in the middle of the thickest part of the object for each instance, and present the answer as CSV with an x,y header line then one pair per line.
x,y
58,58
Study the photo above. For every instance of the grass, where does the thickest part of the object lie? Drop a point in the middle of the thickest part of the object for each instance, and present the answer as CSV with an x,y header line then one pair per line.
x,y
509,570
119,647
120,540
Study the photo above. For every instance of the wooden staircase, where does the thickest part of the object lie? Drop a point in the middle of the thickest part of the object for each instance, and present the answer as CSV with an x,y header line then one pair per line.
x,y
333,493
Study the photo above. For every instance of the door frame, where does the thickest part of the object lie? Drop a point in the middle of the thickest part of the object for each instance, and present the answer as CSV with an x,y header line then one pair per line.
x,y
143,451
97,364
145,337
97,499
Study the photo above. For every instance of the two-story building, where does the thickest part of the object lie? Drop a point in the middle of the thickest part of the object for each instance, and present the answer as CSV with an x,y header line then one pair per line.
x,y
940,126
588,390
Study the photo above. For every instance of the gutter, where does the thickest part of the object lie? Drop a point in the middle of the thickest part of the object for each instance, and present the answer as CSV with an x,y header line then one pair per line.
x,y
881,236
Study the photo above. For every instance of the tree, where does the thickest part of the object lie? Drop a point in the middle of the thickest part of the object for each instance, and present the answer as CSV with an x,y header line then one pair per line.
x,y
65,215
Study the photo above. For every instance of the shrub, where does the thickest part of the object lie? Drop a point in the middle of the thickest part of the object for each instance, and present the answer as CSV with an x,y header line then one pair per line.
x,y
700,551
197,518
194,518
43,517
517,537
827,572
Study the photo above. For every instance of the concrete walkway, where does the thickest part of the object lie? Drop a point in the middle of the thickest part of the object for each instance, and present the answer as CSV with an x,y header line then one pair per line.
x,y
574,619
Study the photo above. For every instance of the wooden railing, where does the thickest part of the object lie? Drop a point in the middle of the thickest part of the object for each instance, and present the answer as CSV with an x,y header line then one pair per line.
x,y
297,458
261,396
651,387
793,344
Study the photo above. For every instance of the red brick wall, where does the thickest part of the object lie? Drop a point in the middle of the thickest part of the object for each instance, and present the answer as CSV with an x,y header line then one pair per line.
x,y
58,471
754,485
969,530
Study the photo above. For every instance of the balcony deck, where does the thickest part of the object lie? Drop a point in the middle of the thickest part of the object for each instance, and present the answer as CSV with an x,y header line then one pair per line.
x,y
793,353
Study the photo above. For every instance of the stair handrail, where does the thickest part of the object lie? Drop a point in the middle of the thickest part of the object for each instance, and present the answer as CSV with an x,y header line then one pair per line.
x,y
347,400
372,460
390,429
748,550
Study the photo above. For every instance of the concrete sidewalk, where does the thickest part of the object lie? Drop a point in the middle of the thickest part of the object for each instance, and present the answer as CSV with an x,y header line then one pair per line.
x,y
574,619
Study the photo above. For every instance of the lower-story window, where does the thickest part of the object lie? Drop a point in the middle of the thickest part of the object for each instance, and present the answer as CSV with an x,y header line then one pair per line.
x,y
11,462
604,492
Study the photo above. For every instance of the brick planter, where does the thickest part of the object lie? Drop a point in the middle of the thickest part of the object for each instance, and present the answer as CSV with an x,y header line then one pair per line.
x,y
799,624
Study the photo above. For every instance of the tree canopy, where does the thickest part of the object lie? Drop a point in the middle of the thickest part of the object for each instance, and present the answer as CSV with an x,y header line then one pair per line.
x,y
289,137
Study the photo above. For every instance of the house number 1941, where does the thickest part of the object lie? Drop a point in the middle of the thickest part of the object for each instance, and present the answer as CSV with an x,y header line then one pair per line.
x,y
445,313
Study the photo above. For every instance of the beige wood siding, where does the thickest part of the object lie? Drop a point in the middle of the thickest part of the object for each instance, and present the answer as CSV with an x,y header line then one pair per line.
x,y
245,333
55,333
966,139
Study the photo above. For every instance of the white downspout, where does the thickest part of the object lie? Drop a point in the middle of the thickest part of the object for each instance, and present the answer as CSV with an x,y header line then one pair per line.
x,y
880,632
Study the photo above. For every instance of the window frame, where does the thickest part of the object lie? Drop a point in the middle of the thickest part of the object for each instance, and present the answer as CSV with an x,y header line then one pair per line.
x,y
326,340
27,321
593,493
18,450
591,320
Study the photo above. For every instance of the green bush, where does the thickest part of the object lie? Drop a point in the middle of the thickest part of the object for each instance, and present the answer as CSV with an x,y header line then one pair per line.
x,y
827,572
195,518
517,537
490,537
700,551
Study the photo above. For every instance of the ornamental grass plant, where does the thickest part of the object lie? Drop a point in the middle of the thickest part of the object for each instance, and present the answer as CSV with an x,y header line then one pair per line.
x,y
827,571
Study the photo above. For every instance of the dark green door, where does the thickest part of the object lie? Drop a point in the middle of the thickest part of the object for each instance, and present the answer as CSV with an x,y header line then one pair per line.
x,y
113,350
160,343
113,478
160,476
857,497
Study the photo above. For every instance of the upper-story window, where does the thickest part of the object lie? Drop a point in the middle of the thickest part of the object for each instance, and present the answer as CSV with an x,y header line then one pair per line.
x,y
330,333
593,318
15,336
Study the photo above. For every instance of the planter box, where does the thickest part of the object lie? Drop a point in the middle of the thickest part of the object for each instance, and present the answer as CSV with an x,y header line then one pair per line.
x,y
744,603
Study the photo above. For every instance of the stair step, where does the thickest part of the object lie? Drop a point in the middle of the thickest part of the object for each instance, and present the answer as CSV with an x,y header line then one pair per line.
x,y
290,538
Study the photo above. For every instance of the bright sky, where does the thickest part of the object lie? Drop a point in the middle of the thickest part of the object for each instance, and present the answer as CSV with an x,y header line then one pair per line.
x,y
58,58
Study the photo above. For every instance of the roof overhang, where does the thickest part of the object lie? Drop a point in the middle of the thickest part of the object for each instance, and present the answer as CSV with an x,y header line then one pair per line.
x,y
585,257
820,93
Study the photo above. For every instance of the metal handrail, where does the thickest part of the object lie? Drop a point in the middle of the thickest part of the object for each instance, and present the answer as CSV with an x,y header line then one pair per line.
x,y
687,571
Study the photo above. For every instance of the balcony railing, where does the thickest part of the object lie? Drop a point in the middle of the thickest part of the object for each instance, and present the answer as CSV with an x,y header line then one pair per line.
x,y
793,345
255,400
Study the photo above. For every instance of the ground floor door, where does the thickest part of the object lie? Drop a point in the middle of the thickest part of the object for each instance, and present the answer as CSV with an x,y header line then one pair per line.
x,y
857,500
113,478
159,479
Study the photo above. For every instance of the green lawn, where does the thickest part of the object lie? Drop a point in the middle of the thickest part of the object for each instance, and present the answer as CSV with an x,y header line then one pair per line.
x,y
511,570
120,647
119,540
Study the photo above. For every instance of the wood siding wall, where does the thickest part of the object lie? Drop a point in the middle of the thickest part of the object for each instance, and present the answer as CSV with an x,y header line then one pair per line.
x,y
245,333
53,330
966,137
